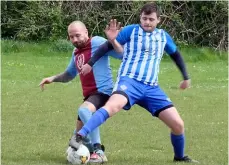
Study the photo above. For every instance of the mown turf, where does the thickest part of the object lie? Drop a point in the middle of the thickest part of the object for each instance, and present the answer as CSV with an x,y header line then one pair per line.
x,y
36,125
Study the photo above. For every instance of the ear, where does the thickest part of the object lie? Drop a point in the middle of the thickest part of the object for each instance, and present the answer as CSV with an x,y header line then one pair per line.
x,y
158,19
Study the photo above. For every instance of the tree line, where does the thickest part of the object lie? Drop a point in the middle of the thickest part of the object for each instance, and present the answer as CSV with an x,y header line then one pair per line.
x,y
202,23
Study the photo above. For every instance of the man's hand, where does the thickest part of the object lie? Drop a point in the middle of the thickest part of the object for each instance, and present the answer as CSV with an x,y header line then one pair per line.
x,y
47,80
112,29
185,84
85,69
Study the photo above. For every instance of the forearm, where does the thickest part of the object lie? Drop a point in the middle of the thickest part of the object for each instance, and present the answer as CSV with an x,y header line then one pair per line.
x,y
177,58
117,47
62,77
101,51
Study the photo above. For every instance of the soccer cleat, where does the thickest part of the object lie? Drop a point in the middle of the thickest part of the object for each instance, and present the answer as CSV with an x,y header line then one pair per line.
x,y
98,156
185,159
103,148
77,140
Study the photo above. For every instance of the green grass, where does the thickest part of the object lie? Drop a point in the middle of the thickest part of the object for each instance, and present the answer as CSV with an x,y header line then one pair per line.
x,y
36,125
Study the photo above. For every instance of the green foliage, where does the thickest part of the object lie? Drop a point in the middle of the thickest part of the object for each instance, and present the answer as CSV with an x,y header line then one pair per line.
x,y
32,20
202,23
9,46
41,48
189,22
61,46
190,53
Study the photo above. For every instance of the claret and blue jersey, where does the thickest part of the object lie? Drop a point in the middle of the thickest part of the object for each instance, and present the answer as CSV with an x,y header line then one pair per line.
x,y
100,78
143,52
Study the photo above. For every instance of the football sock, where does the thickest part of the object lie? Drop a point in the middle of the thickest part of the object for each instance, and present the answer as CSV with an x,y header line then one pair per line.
x,y
85,114
178,142
98,118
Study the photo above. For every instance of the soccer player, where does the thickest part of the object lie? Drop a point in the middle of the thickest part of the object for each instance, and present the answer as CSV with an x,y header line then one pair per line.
x,y
97,85
137,83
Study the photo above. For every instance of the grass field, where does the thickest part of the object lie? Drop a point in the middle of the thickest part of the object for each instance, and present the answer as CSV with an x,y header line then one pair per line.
x,y
36,125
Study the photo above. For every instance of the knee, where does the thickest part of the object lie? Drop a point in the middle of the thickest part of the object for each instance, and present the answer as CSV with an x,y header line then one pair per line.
x,y
112,107
83,111
178,127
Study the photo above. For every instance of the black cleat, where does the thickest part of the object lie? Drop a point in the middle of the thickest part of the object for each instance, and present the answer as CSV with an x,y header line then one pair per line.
x,y
98,146
185,159
103,147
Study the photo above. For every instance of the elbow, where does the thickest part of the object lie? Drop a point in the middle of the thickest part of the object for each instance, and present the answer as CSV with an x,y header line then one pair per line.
x,y
120,51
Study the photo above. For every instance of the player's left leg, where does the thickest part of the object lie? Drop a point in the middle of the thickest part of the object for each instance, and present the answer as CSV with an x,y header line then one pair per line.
x,y
172,119
159,105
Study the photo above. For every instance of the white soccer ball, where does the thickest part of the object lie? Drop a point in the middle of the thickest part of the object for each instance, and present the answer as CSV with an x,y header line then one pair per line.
x,y
80,156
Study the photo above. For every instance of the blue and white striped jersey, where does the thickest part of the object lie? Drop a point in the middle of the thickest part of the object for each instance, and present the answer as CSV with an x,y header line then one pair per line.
x,y
143,52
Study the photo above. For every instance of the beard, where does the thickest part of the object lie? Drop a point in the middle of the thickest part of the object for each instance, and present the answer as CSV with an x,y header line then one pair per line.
x,y
79,44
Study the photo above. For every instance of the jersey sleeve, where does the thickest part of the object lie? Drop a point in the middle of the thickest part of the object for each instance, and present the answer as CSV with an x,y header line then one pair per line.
x,y
124,35
71,68
170,46
97,41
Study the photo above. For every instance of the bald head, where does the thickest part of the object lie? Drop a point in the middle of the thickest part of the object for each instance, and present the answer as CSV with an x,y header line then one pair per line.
x,y
76,25
77,33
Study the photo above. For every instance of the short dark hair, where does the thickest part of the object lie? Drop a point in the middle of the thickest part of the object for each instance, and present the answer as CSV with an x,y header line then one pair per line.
x,y
149,8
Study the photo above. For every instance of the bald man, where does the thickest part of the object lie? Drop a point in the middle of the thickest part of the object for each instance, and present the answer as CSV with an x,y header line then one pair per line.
x,y
97,85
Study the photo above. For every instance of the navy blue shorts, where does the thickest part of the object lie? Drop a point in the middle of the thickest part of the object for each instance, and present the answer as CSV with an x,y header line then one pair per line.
x,y
152,98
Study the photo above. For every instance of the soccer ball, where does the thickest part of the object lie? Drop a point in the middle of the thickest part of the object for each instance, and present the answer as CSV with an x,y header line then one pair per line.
x,y
80,156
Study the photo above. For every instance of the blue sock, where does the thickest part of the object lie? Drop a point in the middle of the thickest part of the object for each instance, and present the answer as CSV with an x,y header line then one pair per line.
x,y
178,142
85,114
98,118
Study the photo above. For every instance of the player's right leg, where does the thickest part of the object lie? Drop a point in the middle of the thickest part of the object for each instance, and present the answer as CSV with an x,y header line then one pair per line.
x,y
79,125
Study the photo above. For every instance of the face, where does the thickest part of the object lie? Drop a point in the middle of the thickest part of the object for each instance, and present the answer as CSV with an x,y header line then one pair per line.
x,y
149,22
77,35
